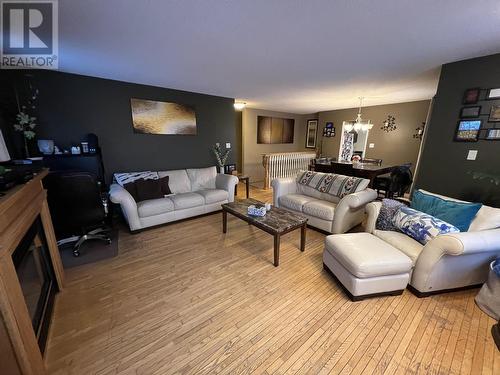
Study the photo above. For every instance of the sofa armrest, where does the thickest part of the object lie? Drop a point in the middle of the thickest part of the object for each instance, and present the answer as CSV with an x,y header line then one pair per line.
x,y
350,211
372,210
281,187
226,182
119,195
465,243
455,260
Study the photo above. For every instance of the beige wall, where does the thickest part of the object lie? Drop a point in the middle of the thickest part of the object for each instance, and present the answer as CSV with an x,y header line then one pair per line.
x,y
397,146
252,152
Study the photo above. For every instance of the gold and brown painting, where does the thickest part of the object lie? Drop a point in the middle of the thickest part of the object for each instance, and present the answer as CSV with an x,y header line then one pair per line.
x,y
151,117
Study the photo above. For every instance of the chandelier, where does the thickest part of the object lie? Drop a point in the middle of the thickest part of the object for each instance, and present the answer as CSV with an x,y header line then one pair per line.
x,y
389,125
357,124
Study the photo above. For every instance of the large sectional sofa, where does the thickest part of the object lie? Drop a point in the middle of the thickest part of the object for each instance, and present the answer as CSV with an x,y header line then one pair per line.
x,y
195,192
386,261
328,212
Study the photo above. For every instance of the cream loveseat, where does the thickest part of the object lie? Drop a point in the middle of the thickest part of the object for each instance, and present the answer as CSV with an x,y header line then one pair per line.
x,y
335,211
449,261
194,192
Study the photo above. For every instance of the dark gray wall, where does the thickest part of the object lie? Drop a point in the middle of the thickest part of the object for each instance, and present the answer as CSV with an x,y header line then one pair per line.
x,y
71,106
444,168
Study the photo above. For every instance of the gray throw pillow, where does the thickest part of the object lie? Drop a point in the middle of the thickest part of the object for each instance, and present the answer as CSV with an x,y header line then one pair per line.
x,y
387,212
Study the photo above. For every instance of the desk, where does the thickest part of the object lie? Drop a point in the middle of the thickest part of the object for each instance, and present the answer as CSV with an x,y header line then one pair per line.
x,y
364,170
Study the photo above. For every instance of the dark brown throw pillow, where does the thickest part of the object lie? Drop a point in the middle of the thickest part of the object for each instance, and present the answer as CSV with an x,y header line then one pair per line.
x,y
148,189
132,189
165,189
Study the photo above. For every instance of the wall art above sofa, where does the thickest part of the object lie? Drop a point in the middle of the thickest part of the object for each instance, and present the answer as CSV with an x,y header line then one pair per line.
x,y
152,117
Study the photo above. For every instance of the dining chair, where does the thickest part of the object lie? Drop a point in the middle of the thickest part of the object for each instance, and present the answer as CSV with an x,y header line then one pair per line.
x,y
345,169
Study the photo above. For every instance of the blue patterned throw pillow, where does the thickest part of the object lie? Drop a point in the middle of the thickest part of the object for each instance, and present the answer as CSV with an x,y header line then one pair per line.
x,y
420,226
386,214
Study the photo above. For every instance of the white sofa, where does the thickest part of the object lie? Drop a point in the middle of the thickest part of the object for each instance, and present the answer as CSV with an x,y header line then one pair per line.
x,y
194,192
448,261
324,211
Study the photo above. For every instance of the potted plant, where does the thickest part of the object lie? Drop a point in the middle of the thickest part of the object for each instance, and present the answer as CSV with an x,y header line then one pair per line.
x,y
26,125
221,156
25,121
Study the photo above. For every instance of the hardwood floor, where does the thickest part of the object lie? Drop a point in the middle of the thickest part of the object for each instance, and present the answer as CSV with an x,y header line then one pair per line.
x,y
184,298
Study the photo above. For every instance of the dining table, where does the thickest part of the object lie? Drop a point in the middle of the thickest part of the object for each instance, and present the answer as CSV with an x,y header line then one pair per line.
x,y
365,170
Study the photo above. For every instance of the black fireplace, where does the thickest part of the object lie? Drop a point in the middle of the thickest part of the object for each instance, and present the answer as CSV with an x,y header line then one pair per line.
x,y
36,276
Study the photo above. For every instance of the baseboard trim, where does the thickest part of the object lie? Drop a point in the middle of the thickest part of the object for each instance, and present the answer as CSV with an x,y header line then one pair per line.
x,y
420,294
354,298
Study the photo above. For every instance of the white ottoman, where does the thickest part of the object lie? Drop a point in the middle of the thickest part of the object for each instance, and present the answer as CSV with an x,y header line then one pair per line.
x,y
365,265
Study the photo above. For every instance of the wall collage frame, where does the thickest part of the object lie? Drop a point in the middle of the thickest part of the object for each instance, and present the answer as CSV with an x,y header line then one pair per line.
x,y
475,123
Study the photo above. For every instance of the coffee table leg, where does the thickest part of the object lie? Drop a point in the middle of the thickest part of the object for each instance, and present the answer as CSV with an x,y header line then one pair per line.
x,y
303,237
224,221
248,187
276,250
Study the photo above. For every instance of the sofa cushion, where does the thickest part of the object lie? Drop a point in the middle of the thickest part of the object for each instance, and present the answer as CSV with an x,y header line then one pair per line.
x,y
402,242
153,207
386,213
294,201
178,181
213,195
187,200
148,189
459,214
421,226
127,177
320,209
365,255
486,218
202,178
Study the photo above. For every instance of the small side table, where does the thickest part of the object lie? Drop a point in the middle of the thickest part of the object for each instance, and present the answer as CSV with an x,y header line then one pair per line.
x,y
246,179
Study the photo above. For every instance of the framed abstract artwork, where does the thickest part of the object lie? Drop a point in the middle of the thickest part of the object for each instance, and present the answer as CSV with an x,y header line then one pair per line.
x,y
311,133
152,117
468,130
493,135
467,112
471,96
493,94
274,130
494,114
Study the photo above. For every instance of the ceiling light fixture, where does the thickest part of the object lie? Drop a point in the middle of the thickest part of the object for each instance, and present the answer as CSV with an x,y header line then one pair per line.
x,y
239,105
358,124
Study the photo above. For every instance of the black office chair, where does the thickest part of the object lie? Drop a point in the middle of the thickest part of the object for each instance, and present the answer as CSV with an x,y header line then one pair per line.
x,y
398,182
76,207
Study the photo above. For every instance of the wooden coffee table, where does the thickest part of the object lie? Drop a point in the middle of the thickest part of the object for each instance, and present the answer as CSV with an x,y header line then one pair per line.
x,y
276,222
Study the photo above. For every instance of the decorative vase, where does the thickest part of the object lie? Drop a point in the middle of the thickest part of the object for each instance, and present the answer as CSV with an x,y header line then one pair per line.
x,y
221,169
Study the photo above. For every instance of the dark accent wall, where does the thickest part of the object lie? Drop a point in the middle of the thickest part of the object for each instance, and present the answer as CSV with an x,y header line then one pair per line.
x,y
443,167
71,106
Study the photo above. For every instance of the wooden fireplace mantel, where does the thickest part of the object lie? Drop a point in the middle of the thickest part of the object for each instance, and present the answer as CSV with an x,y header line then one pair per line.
x,y
19,208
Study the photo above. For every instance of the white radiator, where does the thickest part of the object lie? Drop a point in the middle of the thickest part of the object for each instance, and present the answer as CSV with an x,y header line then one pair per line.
x,y
285,164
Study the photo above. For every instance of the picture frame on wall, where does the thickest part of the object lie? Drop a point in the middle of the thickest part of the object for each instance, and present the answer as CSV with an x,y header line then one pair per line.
x,y
493,135
470,112
494,114
468,130
493,94
311,133
471,96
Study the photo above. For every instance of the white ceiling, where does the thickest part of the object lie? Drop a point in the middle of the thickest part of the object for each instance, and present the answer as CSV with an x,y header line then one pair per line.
x,y
298,56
